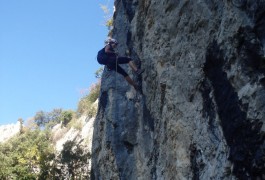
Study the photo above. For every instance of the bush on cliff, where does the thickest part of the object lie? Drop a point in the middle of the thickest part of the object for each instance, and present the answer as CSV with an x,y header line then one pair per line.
x,y
85,105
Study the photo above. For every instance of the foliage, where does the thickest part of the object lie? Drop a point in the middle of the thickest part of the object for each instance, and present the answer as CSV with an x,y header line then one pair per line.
x,y
25,156
5,161
56,116
30,124
92,111
66,117
94,92
108,16
98,73
48,118
74,161
76,124
85,105
109,24
31,156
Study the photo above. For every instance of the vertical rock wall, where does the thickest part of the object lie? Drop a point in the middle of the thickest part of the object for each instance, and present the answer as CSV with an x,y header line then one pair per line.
x,y
202,111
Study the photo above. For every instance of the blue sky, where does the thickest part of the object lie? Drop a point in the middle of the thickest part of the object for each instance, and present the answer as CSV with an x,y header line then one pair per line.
x,y
47,54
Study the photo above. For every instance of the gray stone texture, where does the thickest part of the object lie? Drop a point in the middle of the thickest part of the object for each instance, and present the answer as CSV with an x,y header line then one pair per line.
x,y
201,114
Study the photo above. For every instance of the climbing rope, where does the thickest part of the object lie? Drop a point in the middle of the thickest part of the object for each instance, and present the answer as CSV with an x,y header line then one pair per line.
x,y
116,90
116,71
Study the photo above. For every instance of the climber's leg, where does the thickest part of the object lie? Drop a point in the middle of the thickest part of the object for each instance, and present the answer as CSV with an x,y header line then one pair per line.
x,y
133,66
127,77
131,82
125,60
123,73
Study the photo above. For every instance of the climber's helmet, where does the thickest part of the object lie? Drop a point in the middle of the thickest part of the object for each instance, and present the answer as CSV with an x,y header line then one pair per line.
x,y
111,41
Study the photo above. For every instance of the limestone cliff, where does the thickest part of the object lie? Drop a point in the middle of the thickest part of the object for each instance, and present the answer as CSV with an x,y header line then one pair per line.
x,y
202,111
9,130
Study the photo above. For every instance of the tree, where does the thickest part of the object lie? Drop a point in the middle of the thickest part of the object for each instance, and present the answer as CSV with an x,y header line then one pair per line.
x,y
40,118
25,156
48,119
74,160
5,161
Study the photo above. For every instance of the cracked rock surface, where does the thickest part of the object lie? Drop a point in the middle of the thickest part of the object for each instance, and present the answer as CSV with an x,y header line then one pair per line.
x,y
202,111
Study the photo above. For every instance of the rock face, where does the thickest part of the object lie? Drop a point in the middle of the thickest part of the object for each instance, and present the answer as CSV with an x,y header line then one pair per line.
x,y
82,136
202,111
8,131
73,146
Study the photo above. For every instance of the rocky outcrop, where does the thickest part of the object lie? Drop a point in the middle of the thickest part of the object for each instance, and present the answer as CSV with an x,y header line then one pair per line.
x,y
73,148
202,111
81,134
9,130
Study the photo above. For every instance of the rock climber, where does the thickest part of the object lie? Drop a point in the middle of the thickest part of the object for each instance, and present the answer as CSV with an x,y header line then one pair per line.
x,y
109,57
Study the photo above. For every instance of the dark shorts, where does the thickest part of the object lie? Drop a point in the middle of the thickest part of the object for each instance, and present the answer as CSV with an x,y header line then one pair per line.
x,y
111,64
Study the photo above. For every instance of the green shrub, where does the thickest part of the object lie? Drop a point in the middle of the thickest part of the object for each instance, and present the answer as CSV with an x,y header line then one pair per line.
x,y
26,156
92,111
76,124
75,160
48,119
85,104
66,117
94,92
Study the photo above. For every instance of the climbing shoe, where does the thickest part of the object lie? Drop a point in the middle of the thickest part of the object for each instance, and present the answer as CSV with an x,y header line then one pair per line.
x,y
139,71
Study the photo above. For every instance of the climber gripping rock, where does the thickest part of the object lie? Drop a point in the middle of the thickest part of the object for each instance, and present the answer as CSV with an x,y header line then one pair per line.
x,y
108,57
